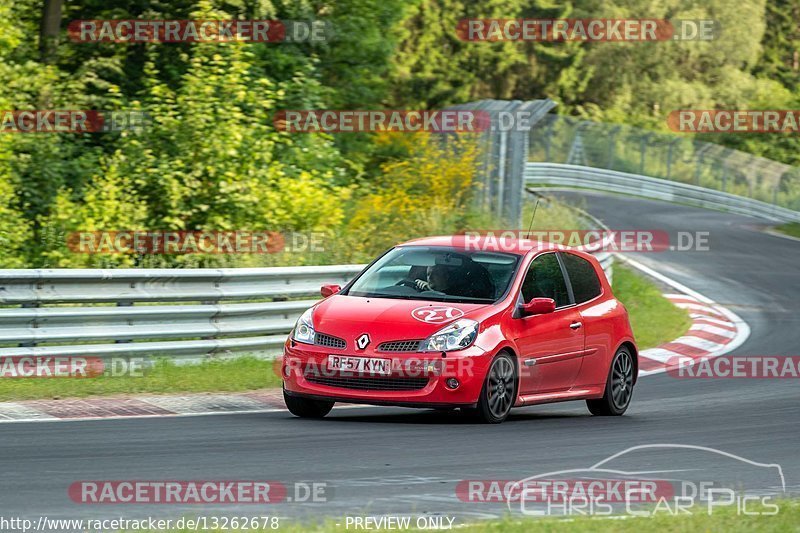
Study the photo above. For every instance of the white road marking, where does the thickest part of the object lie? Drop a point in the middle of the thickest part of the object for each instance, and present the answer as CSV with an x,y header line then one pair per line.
x,y
697,311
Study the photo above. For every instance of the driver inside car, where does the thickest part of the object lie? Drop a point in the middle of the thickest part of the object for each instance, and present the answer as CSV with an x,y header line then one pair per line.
x,y
437,279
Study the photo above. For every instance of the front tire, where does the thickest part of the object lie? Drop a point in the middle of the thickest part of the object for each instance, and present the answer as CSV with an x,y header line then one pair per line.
x,y
499,391
619,387
306,407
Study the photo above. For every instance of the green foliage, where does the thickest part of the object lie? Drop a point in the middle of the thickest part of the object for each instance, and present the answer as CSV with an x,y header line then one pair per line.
x,y
640,83
433,67
791,228
211,158
780,59
14,230
108,203
427,191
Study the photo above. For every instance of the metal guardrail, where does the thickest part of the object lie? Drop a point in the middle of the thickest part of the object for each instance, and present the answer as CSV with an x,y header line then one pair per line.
x,y
181,312
576,176
607,262
216,321
678,158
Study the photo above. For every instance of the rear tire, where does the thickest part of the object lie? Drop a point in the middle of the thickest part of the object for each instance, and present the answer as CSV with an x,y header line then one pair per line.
x,y
619,387
499,392
306,407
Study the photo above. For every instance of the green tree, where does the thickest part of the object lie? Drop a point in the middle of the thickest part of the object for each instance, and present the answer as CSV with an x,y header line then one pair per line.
x,y
435,67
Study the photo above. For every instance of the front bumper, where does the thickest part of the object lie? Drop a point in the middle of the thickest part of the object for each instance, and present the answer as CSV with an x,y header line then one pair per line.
x,y
304,364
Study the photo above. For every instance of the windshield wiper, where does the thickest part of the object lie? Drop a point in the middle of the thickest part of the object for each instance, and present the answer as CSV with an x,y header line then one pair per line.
x,y
423,297
462,300
381,295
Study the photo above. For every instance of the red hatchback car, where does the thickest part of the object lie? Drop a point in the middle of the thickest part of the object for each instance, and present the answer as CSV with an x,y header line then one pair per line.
x,y
448,322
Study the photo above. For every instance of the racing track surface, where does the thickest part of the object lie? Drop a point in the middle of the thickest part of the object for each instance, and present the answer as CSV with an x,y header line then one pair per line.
x,y
391,460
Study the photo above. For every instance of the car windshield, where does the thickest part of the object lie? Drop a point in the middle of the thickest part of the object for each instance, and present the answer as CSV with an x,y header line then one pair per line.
x,y
439,274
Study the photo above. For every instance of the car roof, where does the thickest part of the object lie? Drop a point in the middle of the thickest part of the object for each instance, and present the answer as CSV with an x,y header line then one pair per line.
x,y
487,243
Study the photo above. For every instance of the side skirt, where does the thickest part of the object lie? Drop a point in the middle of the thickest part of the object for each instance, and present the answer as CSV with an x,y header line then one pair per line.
x,y
583,393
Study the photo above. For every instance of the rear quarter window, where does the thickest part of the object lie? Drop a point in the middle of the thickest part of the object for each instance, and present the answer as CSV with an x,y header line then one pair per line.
x,y
582,276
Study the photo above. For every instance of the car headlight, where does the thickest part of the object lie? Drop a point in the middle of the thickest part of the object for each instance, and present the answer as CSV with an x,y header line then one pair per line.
x,y
456,336
304,329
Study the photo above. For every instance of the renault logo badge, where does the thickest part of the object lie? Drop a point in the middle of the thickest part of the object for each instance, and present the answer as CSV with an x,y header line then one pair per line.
x,y
363,341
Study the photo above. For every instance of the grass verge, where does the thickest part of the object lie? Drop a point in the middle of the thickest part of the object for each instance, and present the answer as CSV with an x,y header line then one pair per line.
x,y
791,228
722,519
653,318
229,375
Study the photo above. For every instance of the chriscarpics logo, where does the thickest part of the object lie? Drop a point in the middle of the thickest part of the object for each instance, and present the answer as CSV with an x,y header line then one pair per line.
x,y
648,480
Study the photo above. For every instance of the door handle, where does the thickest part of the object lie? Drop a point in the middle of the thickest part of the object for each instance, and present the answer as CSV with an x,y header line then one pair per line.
x,y
575,325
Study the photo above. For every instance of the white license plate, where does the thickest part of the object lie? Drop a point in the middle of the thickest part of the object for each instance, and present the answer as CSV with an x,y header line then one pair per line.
x,y
360,365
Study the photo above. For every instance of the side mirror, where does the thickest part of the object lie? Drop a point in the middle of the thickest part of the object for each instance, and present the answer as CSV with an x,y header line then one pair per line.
x,y
329,290
539,306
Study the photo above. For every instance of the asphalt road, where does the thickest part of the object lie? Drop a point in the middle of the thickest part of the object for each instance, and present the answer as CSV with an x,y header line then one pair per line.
x,y
384,460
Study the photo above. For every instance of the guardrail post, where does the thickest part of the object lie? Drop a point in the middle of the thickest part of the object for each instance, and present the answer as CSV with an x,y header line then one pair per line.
x,y
612,145
213,319
501,172
697,169
124,303
547,140
642,151
669,157
34,324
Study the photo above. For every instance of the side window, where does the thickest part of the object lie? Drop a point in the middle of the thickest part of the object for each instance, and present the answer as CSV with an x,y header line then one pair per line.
x,y
582,277
545,280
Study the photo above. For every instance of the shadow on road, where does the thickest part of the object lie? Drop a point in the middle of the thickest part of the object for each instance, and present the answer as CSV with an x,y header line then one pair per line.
x,y
434,417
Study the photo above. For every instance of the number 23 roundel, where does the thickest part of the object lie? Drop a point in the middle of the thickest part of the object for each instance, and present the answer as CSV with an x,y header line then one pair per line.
x,y
435,314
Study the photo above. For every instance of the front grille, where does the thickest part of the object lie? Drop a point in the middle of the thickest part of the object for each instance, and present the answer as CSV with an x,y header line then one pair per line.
x,y
384,384
399,346
329,340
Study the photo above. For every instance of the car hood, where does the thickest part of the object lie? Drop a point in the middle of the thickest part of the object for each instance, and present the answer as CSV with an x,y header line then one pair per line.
x,y
386,319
